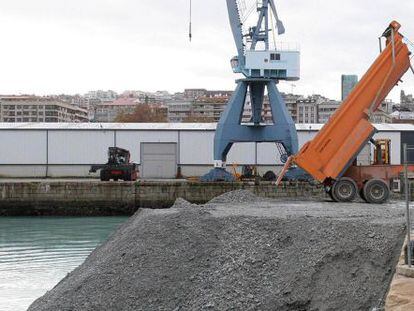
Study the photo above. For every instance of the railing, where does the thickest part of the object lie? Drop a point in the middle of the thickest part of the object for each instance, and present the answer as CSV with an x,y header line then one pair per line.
x,y
287,46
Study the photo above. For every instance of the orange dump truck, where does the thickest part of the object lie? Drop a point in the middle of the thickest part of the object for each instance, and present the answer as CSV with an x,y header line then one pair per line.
x,y
330,156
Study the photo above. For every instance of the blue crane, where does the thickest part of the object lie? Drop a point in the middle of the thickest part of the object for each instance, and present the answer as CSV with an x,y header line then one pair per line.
x,y
263,67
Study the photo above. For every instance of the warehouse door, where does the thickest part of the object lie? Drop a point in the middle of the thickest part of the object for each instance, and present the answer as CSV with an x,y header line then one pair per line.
x,y
159,160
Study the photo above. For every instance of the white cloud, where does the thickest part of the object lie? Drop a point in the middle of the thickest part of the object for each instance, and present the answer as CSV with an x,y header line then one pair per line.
x,y
54,46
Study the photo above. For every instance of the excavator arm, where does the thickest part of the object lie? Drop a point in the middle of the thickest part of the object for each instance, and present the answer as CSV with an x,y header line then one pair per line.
x,y
335,147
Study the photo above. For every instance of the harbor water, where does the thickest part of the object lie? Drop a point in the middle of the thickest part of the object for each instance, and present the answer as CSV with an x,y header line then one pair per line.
x,y
36,253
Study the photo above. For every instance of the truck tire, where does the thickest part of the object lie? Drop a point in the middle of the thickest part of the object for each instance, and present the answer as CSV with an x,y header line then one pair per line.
x,y
128,177
104,176
269,176
329,192
344,190
376,191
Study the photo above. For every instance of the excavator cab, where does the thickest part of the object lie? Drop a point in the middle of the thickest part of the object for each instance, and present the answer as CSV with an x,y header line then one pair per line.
x,y
118,155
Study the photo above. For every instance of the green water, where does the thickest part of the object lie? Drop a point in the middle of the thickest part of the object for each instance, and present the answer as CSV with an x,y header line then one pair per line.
x,y
36,253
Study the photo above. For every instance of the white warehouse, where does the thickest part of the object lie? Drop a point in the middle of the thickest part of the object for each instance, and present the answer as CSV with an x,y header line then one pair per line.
x,y
68,150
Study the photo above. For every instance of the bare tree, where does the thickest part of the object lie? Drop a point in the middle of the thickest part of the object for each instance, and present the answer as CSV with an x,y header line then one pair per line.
x,y
144,113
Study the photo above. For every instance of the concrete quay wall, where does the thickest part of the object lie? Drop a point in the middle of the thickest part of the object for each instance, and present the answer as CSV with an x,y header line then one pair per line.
x,y
95,198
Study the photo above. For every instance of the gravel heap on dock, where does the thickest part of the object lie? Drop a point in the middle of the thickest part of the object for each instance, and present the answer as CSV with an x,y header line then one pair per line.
x,y
267,255
236,196
182,203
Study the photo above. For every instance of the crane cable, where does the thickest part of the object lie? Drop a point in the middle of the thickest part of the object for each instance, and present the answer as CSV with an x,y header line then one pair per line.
x,y
273,29
190,35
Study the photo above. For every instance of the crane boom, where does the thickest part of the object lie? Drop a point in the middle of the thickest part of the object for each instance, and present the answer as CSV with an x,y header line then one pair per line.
x,y
236,28
333,150
279,25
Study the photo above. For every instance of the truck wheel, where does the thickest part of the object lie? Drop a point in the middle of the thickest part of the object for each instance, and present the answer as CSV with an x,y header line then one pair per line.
x,y
329,192
128,177
344,190
104,177
376,191
269,176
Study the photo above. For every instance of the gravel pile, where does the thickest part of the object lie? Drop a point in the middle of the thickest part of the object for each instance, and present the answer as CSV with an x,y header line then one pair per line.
x,y
264,256
182,203
236,196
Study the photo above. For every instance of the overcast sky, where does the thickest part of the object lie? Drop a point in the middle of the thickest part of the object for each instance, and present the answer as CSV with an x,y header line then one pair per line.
x,y
72,46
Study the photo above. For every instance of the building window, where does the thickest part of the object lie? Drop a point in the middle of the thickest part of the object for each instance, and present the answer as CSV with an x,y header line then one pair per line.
x,y
274,56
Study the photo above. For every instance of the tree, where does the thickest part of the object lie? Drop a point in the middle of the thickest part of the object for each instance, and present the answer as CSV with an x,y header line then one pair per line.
x,y
144,113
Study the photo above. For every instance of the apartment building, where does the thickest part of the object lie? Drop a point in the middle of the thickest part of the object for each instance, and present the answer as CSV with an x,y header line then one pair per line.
x,y
105,96
211,105
39,109
380,117
179,110
406,101
200,105
210,110
194,93
291,101
326,109
203,93
307,110
109,111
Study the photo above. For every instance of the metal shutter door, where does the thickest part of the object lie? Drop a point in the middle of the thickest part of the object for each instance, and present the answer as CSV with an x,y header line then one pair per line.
x,y
159,160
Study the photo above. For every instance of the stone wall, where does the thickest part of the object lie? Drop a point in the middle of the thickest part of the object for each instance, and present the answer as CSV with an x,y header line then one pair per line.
x,y
94,198
66,198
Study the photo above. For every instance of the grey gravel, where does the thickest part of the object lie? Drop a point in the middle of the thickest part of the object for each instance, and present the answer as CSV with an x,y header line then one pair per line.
x,y
236,196
182,203
238,255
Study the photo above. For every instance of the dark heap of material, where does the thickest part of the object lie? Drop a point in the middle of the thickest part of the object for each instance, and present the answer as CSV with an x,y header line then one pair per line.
x,y
260,255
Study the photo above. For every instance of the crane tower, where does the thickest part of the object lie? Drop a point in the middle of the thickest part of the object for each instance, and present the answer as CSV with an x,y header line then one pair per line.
x,y
263,67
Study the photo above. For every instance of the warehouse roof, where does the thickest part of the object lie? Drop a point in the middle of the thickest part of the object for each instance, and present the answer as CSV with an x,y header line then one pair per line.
x,y
108,126
167,126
